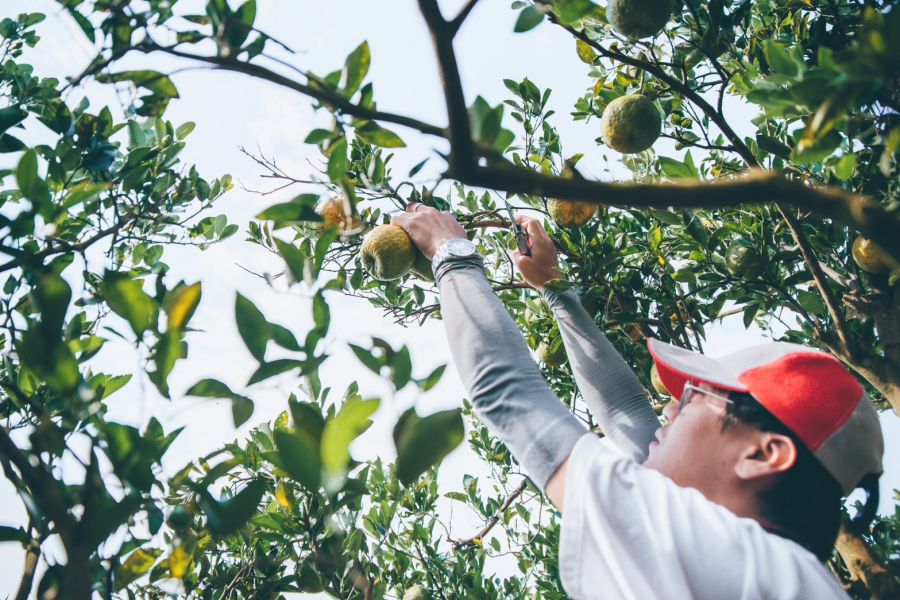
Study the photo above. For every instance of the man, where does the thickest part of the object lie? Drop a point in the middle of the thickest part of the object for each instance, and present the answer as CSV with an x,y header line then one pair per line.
x,y
738,496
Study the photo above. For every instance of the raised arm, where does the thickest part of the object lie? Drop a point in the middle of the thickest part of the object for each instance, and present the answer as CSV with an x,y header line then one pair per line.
x,y
614,396
505,386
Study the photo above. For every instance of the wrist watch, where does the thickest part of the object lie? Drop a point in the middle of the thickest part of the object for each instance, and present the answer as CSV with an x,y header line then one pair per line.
x,y
453,249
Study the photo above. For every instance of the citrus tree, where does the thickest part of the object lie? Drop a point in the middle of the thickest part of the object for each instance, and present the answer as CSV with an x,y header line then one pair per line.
x,y
793,228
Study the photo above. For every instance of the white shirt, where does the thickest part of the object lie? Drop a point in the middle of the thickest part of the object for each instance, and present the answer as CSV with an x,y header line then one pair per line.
x,y
630,532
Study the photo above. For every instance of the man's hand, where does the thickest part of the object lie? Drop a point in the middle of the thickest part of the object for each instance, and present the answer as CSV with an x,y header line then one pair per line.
x,y
428,227
542,265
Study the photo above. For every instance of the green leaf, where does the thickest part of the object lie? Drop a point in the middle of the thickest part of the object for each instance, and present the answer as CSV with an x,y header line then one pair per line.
x,y
307,419
376,134
10,116
674,169
30,184
321,313
127,299
529,18
241,406
301,208
252,326
299,458
154,81
283,337
845,167
210,388
572,10
185,130
293,258
402,368
53,295
367,358
230,515
276,367
433,378
424,442
241,410
357,66
338,163
812,302
780,59
342,429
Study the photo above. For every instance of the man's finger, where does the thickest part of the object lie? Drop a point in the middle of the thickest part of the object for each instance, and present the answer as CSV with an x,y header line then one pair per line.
x,y
534,228
418,208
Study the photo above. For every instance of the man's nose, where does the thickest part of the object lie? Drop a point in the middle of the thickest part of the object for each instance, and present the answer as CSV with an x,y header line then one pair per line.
x,y
670,411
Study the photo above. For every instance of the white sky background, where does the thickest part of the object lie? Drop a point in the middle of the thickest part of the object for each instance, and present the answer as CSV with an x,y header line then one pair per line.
x,y
232,111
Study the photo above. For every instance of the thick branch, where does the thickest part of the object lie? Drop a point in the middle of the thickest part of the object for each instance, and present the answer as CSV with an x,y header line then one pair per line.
x,y
864,566
756,187
462,152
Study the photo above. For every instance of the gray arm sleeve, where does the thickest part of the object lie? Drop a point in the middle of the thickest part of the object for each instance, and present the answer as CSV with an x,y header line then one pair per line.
x,y
506,387
614,396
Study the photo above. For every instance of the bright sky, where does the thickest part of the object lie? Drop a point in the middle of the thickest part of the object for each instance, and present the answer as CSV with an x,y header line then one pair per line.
x,y
233,111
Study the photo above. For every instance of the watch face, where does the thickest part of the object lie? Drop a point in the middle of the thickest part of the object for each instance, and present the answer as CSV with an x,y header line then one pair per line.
x,y
460,247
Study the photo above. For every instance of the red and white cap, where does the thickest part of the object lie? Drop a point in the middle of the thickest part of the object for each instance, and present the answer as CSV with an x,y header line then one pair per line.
x,y
809,391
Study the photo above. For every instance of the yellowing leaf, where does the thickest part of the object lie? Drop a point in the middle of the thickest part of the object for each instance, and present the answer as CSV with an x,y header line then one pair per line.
x,y
478,542
137,563
282,497
585,52
179,561
182,305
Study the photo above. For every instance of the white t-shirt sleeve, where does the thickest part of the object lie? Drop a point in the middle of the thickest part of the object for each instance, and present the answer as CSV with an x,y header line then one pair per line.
x,y
630,532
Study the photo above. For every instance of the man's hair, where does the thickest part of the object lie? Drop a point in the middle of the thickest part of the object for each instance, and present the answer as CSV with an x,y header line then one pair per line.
x,y
804,503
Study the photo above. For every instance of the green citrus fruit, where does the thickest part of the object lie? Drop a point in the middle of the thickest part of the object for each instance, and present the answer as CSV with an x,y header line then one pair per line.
x,y
630,124
180,518
421,267
636,19
871,257
657,381
415,592
571,213
387,252
549,356
743,261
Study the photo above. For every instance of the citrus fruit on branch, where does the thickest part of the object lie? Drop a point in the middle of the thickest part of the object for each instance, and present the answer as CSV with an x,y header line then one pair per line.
x,y
871,257
636,19
415,592
421,268
742,260
552,355
630,124
387,252
571,213
334,216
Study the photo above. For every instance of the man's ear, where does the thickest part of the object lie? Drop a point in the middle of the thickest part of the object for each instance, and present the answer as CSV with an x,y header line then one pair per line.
x,y
770,454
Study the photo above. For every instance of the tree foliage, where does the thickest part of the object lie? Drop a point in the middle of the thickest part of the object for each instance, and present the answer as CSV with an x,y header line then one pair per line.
x,y
87,217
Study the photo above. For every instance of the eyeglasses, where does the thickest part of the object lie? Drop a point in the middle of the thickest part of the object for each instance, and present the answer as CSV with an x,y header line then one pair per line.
x,y
690,389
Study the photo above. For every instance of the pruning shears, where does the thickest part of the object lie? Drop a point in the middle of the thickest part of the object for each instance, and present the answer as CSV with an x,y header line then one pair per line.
x,y
518,231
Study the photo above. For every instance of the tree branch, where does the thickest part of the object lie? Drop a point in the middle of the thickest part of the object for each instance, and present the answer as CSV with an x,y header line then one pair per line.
x,y
461,149
323,95
457,22
494,519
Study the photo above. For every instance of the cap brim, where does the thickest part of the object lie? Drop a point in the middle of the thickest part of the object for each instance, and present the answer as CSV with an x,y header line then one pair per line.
x,y
677,366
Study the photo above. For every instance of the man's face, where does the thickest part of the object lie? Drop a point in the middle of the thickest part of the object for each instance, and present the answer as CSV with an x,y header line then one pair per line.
x,y
693,449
